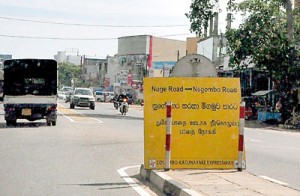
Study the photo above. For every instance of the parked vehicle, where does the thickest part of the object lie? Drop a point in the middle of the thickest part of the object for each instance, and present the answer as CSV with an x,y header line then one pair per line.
x,y
30,90
250,107
82,97
99,96
103,96
109,96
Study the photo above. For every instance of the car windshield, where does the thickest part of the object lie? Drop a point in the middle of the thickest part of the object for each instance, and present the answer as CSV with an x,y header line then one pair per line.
x,y
83,92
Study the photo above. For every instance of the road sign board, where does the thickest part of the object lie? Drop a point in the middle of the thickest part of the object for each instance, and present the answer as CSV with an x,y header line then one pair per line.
x,y
205,122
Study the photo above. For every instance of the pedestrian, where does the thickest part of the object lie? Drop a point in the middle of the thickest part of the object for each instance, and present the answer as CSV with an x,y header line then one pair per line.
x,y
278,106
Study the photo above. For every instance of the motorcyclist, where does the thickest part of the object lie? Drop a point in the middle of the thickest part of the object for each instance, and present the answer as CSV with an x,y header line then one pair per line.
x,y
123,104
117,100
121,97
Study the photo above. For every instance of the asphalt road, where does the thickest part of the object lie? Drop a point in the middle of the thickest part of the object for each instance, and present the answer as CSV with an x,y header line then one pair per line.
x,y
274,154
98,152
88,152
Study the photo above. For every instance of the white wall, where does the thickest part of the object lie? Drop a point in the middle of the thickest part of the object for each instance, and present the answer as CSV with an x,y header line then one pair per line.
x,y
112,68
205,48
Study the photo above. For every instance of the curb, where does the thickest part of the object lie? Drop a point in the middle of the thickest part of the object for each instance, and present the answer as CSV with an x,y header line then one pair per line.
x,y
165,183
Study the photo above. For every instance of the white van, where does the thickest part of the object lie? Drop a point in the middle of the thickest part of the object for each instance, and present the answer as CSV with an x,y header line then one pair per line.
x,y
104,96
109,96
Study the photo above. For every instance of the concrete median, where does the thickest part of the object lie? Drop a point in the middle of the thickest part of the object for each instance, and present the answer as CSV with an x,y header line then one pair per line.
x,y
213,182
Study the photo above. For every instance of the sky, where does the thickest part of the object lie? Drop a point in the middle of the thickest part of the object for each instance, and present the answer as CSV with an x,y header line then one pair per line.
x,y
41,28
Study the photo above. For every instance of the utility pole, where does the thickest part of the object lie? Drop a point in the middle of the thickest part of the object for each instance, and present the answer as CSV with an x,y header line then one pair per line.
x,y
178,55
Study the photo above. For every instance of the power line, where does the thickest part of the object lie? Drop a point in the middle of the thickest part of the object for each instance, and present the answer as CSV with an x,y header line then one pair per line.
x,y
78,39
55,38
92,25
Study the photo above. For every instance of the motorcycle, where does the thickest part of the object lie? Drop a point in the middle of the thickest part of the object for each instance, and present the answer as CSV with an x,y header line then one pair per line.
x,y
116,104
124,106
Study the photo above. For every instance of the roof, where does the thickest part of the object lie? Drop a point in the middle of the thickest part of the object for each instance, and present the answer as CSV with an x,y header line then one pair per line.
x,y
262,93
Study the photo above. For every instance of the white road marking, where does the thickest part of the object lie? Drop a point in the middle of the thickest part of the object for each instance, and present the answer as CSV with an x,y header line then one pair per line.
x,y
99,121
96,120
66,116
130,181
273,180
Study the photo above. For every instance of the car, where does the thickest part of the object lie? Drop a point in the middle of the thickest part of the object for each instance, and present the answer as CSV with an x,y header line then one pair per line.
x,y
82,97
64,92
109,96
68,96
99,96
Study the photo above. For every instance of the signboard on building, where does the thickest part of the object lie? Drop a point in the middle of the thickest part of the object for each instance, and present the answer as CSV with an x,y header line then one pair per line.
x,y
123,76
205,122
129,79
106,82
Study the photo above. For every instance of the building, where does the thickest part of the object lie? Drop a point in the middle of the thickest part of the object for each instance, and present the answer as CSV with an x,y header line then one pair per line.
x,y
214,48
140,56
252,80
68,56
165,54
3,57
296,3
93,70
191,45
143,54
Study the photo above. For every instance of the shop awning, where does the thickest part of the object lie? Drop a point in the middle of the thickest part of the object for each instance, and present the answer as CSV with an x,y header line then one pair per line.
x,y
261,93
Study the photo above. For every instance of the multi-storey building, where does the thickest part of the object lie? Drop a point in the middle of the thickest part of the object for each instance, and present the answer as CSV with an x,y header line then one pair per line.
x,y
143,54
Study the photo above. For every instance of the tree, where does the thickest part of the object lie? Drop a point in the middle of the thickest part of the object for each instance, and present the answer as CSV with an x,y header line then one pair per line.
x,y
268,37
265,36
201,11
67,72
290,20
264,39
199,15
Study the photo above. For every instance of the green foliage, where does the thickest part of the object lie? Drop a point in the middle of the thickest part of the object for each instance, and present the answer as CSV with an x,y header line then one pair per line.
x,y
67,72
297,26
199,15
263,39
201,11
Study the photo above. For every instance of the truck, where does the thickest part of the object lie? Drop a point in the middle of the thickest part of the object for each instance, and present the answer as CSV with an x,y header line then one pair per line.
x,y
30,90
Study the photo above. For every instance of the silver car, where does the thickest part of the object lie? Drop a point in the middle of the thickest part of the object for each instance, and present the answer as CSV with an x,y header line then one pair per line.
x,y
82,97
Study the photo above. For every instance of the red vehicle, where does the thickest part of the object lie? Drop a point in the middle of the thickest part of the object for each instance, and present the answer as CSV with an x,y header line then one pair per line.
x,y
250,107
